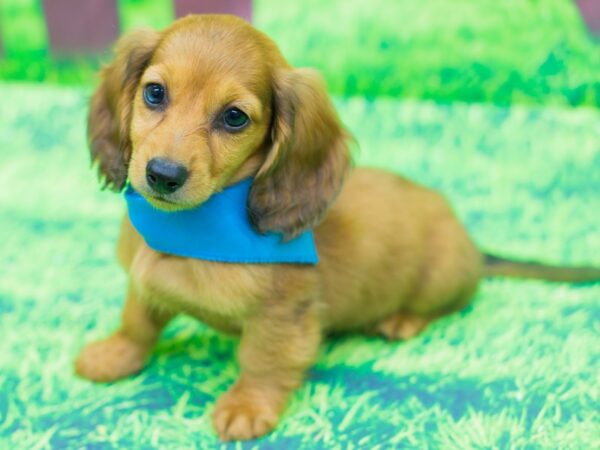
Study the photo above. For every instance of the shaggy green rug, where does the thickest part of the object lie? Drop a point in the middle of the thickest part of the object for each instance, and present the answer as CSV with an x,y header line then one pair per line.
x,y
517,369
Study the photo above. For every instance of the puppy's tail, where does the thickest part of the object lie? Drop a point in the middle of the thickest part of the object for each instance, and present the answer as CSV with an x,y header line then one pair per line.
x,y
497,266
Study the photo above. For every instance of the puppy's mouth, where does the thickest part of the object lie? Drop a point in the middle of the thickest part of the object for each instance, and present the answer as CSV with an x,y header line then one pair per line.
x,y
161,199
163,203
177,201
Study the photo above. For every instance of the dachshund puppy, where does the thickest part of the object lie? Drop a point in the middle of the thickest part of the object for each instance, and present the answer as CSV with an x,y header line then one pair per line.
x,y
214,101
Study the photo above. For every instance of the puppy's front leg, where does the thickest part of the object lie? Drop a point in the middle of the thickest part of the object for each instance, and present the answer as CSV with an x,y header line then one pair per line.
x,y
276,349
123,353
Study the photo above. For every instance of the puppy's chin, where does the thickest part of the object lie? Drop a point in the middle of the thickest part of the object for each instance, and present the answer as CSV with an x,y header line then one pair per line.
x,y
165,204
171,203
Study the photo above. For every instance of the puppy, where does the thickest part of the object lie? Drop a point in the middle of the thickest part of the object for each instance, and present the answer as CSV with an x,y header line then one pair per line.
x,y
214,102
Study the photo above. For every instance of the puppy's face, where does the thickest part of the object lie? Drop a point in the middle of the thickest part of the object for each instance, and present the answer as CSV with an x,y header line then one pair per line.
x,y
201,112
210,101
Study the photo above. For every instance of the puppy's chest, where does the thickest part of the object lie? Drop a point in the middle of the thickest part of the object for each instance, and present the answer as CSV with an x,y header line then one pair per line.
x,y
219,294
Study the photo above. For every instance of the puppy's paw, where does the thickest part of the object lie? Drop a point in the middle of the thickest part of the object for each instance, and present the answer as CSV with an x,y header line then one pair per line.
x,y
401,326
239,416
110,359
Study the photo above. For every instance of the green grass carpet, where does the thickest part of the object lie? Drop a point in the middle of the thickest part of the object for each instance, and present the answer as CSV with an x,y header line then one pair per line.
x,y
516,370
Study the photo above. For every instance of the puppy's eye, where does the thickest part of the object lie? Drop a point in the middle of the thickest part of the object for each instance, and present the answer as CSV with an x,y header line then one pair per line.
x,y
154,94
235,119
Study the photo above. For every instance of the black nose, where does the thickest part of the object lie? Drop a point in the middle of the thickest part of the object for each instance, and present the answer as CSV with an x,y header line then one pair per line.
x,y
165,176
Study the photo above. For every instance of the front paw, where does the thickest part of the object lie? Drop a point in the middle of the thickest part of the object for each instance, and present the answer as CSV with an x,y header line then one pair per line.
x,y
110,359
241,414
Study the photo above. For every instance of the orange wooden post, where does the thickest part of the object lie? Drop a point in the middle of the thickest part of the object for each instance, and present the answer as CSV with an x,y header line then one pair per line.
x,y
81,26
242,8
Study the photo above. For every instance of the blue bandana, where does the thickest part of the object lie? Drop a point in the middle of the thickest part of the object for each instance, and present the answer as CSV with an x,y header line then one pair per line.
x,y
217,230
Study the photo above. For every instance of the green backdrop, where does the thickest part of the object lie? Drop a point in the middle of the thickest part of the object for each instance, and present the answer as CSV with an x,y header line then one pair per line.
x,y
509,51
518,369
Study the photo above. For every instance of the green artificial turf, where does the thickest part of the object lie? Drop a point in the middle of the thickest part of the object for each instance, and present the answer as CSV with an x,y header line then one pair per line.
x,y
517,369
504,52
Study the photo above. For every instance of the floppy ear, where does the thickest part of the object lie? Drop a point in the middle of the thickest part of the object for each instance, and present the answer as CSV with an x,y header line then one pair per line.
x,y
110,108
308,159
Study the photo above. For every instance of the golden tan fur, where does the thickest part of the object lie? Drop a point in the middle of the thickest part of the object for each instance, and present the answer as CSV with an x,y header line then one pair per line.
x,y
392,254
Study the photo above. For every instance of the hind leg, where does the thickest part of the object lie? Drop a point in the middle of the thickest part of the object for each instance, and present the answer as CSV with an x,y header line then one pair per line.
x,y
411,321
448,280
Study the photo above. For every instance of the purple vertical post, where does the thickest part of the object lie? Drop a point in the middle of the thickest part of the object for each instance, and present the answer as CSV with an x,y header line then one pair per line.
x,y
590,10
81,26
242,8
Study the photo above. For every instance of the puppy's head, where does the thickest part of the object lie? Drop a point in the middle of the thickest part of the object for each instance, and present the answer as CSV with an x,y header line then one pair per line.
x,y
208,102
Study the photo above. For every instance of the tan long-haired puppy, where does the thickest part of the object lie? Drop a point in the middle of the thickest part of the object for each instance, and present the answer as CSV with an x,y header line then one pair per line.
x,y
214,98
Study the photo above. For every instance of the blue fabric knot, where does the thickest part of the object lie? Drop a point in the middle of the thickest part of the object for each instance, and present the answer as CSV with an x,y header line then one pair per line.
x,y
217,230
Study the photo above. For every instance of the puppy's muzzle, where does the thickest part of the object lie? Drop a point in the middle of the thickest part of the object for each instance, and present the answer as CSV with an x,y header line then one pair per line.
x,y
165,176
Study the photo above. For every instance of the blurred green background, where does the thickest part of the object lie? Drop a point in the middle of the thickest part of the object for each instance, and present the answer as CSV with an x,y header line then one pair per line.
x,y
493,103
509,51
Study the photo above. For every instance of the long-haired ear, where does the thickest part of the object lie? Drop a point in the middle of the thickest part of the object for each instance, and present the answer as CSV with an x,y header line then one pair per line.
x,y
307,161
110,107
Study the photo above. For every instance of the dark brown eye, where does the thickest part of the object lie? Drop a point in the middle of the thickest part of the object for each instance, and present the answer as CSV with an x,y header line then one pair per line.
x,y
154,94
235,119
